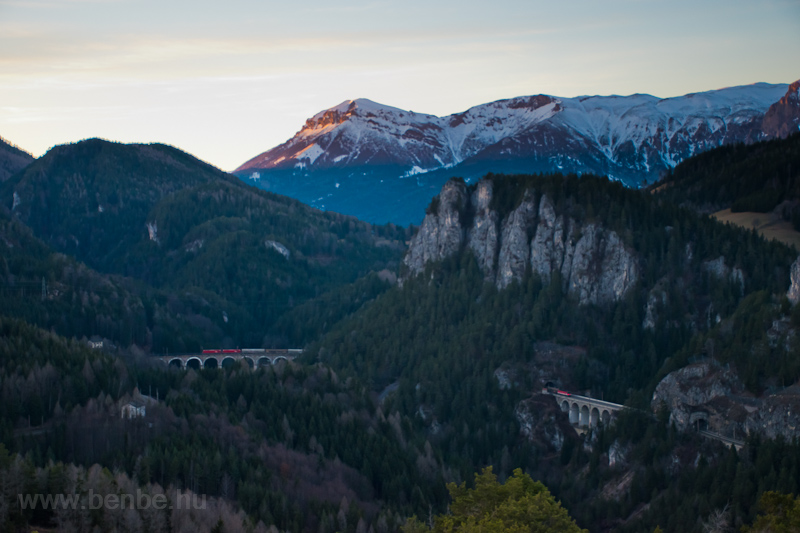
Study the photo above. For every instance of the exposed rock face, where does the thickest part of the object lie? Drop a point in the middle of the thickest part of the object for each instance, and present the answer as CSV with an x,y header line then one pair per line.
x,y
482,235
656,298
515,249
594,263
719,269
698,388
783,117
152,230
794,289
618,454
441,233
278,247
599,269
713,395
547,247
778,414
539,421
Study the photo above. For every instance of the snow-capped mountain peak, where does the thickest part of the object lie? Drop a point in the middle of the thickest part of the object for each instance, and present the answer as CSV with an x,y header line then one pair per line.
x,y
660,132
631,138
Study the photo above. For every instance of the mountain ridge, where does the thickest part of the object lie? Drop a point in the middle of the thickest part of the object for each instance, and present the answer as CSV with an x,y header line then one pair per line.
x,y
174,223
485,134
634,139
12,159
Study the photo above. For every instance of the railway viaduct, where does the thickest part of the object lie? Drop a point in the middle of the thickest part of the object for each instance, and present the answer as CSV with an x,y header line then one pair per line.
x,y
254,358
590,412
584,411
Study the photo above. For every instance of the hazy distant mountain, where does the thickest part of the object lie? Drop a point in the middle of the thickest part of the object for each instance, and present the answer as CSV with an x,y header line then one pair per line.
x,y
381,163
12,160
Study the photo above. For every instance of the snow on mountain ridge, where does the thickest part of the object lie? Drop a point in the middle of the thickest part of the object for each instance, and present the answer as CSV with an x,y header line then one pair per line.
x,y
639,131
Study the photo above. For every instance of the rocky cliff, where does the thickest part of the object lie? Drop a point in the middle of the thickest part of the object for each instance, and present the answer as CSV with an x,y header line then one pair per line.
x,y
794,289
594,264
783,117
712,396
442,232
699,392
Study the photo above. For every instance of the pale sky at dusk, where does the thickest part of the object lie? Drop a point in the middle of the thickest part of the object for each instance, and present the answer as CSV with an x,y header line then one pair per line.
x,y
228,80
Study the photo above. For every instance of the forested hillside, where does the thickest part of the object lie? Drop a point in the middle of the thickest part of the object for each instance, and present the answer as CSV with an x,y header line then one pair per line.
x,y
509,285
465,360
293,447
757,177
12,159
236,258
449,318
57,292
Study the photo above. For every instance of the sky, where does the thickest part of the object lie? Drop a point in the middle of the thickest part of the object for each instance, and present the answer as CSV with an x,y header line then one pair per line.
x,y
226,81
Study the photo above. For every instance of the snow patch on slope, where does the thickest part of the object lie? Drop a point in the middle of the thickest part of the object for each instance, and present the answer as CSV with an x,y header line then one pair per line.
x,y
310,152
640,132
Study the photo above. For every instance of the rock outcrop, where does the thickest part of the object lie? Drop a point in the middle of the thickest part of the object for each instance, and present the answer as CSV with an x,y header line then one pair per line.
x,y
540,422
482,235
794,288
719,269
783,117
704,389
656,300
593,262
598,268
441,233
515,247
713,397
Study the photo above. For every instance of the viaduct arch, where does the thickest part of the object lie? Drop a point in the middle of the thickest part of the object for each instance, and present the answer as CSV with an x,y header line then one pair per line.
x,y
255,358
584,411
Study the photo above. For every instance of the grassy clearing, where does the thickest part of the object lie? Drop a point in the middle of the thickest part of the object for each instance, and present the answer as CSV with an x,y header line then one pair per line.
x,y
768,225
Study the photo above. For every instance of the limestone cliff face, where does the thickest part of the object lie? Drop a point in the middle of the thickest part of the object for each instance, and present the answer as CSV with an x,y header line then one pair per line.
x,y
598,268
515,247
548,246
714,394
794,288
718,268
705,388
482,235
593,262
441,233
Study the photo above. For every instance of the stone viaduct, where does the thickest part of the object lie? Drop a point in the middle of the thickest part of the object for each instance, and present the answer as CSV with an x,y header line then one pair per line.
x,y
584,411
255,358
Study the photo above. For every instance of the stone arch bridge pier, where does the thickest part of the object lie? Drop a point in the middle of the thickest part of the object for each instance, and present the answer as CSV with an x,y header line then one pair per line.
x,y
255,358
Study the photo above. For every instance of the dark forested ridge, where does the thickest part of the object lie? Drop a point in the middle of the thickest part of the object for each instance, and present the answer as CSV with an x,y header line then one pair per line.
x,y
755,177
403,388
157,215
57,292
12,159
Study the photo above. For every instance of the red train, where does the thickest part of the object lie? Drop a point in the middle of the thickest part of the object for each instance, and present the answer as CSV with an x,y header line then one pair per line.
x,y
237,350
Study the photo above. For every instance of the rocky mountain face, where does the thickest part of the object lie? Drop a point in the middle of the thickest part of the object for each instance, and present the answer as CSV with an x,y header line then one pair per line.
x,y
401,155
12,160
783,117
593,262
712,396
794,289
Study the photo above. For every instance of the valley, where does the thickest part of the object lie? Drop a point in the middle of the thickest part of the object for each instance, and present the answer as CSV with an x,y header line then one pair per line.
x,y
403,361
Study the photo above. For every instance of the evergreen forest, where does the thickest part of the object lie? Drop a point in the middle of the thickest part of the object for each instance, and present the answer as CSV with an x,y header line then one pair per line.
x,y
416,405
